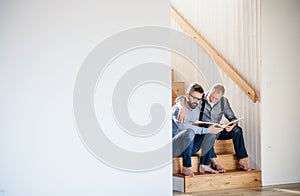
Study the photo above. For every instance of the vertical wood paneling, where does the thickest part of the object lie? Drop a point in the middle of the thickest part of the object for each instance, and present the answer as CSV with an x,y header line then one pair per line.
x,y
232,27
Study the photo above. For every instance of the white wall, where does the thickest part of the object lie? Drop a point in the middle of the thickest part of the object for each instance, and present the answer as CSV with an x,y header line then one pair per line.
x,y
280,31
43,44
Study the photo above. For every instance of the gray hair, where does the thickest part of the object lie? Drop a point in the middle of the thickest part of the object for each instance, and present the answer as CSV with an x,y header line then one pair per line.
x,y
218,88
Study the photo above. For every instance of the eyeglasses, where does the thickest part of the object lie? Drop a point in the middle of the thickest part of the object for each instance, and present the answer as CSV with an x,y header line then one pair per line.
x,y
214,98
195,98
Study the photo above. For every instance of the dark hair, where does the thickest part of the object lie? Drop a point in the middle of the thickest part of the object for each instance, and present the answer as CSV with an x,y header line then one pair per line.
x,y
194,87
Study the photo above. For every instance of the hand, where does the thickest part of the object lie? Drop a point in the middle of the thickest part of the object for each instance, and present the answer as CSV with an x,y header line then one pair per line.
x,y
181,114
213,129
230,127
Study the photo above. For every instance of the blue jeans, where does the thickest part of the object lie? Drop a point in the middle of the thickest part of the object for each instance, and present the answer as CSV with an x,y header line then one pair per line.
x,y
236,134
187,143
181,141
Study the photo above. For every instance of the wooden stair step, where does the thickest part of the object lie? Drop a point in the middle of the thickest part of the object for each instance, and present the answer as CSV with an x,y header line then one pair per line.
x,y
225,156
177,164
227,161
172,74
178,88
224,147
207,182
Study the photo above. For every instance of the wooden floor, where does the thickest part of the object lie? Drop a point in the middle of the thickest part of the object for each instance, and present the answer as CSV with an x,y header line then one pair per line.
x,y
279,190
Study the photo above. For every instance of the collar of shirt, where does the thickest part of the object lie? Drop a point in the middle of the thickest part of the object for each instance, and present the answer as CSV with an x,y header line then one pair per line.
x,y
205,97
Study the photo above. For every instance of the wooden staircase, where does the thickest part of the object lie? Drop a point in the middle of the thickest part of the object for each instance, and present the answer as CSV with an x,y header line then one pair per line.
x,y
225,156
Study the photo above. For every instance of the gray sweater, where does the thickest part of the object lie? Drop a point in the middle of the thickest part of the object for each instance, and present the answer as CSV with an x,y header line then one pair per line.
x,y
191,115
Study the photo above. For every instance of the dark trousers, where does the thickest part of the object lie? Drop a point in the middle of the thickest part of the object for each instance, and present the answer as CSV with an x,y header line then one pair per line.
x,y
236,134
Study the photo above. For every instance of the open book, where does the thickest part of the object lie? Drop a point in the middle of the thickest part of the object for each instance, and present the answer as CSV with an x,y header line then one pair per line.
x,y
206,124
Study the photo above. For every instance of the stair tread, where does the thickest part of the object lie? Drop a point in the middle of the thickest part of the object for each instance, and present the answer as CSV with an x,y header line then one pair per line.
x,y
218,155
227,161
228,172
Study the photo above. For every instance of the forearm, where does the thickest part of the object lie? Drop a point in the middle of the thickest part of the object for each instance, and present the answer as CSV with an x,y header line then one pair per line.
x,y
189,125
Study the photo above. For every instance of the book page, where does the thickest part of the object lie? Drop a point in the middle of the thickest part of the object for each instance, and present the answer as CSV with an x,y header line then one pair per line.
x,y
206,124
234,121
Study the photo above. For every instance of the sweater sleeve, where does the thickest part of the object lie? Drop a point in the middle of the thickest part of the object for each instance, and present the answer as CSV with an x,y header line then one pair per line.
x,y
187,124
228,113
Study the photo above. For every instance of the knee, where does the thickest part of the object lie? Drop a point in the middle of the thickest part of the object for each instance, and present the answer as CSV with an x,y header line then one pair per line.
x,y
210,137
237,130
189,134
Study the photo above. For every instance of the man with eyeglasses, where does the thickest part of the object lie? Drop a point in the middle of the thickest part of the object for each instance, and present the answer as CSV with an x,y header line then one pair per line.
x,y
214,107
187,138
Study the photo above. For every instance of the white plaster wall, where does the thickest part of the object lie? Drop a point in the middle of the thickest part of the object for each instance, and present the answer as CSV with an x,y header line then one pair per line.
x,y
280,32
42,46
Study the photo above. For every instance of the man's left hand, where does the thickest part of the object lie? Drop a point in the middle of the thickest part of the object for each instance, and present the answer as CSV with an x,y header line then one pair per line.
x,y
229,128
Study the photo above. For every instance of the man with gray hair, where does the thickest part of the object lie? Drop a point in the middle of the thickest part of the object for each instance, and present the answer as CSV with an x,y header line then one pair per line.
x,y
213,106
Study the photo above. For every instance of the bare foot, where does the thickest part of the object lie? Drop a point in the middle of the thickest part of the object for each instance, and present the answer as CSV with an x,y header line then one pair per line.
x,y
219,168
242,166
187,171
216,166
207,169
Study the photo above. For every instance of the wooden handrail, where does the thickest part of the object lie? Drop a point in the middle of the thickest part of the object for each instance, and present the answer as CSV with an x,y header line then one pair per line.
x,y
218,59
